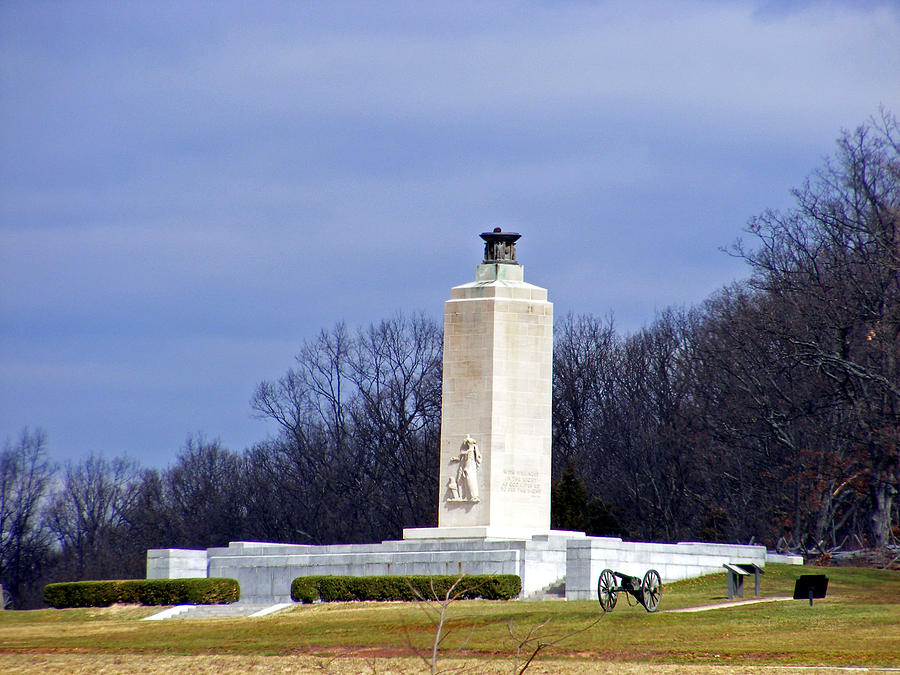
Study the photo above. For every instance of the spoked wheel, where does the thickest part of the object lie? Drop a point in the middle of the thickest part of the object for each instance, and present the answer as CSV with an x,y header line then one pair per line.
x,y
651,590
606,590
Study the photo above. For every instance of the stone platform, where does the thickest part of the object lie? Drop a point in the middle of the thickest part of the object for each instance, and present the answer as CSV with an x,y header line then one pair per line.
x,y
265,570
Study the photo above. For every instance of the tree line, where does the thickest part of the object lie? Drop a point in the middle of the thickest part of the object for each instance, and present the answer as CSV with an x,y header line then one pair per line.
x,y
772,410
768,413
354,460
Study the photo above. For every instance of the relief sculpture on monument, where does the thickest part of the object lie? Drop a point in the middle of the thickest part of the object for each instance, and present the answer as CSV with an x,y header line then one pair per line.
x,y
464,488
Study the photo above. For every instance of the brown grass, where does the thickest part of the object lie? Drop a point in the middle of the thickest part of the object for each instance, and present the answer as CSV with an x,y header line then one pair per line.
x,y
355,663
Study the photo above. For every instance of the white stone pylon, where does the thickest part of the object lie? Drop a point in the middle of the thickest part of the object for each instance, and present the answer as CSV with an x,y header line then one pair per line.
x,y
497,388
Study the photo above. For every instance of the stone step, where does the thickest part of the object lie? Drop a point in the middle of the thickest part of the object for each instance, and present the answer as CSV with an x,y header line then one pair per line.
x,y
234,610
554,591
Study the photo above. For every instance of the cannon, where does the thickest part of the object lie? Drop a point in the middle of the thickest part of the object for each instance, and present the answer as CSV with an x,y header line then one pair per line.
x,y
646,591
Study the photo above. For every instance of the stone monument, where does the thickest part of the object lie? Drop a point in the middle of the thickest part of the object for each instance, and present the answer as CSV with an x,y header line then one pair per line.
x,y
494,484
496,403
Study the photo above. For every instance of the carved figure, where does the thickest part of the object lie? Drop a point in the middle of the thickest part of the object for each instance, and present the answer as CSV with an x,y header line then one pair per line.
x,y
469,460
453,489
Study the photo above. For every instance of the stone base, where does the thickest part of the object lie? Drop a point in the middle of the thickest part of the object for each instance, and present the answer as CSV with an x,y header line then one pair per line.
x,y
265,571
541,559
485,532
176,563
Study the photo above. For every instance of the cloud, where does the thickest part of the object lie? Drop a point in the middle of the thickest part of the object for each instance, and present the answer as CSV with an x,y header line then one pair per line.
x,y
717,61
191,188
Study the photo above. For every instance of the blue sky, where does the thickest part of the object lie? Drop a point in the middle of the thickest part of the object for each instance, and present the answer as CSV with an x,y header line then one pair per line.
x,y
188,190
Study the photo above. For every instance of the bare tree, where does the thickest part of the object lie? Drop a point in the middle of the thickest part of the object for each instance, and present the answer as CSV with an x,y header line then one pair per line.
x,y
530,641
584,368
149,522
654,434
396,416
25,480
359,414
764,413
830,268
203,490
309,462
527,643
314,394
436,607
87,515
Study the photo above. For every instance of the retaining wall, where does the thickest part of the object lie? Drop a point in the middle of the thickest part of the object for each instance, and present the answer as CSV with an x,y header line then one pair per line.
x,y
587,557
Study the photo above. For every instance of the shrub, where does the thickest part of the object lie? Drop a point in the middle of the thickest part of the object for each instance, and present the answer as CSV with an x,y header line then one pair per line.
x,y
414,587
305,589
336,589
142,591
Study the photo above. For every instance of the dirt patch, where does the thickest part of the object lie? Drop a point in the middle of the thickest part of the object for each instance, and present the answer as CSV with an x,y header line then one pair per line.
x,y
346,664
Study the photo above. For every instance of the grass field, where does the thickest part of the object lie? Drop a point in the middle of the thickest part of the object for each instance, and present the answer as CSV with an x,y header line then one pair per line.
x,y
858,625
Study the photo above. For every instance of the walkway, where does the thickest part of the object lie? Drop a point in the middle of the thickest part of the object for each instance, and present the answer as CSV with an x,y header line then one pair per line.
x,y
726,605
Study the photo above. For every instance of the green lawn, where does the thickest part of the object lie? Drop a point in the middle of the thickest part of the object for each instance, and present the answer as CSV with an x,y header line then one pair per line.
x,y
857,624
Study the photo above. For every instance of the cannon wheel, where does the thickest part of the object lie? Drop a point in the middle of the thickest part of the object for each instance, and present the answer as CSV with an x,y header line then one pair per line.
x,y
606,590
651,590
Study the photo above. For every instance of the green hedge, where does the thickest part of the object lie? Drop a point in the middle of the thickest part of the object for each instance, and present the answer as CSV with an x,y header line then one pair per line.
x,y
415,587
142,591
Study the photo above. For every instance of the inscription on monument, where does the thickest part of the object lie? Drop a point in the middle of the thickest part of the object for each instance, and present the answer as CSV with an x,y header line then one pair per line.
x,y
521,482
